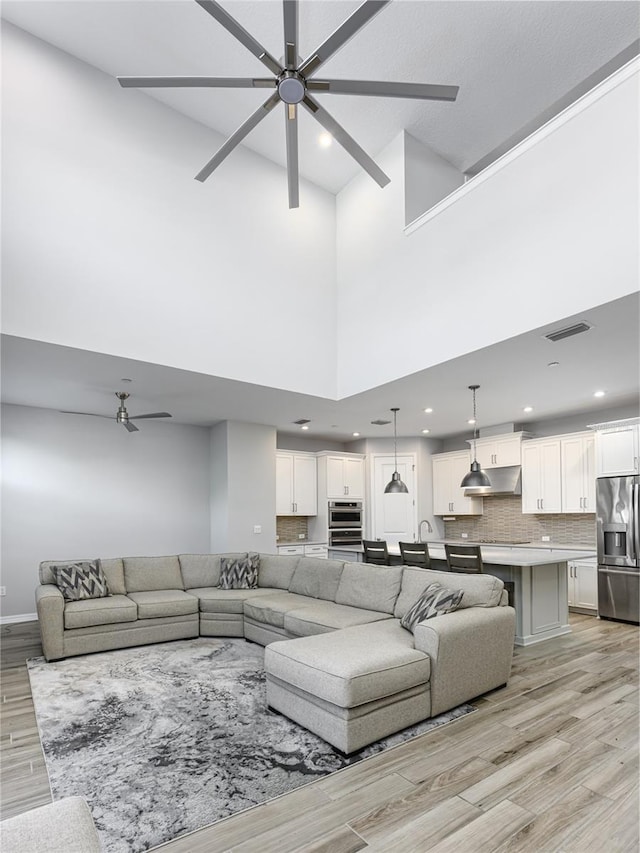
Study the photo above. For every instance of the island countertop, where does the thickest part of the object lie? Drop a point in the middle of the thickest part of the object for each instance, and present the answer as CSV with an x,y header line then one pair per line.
x,y
495,555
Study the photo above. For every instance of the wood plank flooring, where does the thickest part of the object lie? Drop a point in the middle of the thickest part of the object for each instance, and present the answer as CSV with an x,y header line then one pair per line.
x,y
548,763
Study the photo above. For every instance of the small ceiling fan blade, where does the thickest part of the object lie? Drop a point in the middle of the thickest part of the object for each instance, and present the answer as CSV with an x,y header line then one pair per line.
x,y
290,11
425,91
151,415
341,36
202,82
130,427
238,31
237,137
293,178
348,142
90,414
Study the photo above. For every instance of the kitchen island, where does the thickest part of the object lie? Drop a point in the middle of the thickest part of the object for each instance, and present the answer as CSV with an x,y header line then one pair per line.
x,y
539,577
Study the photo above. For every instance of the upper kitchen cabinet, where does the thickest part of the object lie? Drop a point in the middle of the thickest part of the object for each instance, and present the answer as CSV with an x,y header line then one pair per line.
x,y
499,451
577,455
296,484
342,475
541,476
617,450
448,470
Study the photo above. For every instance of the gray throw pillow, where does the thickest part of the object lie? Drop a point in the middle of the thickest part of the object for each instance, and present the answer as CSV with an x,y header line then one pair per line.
x,y
78,581
434,601
239,574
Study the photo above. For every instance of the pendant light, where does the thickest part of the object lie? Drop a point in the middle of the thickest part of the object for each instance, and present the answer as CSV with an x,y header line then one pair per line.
x,y
476,478
395,486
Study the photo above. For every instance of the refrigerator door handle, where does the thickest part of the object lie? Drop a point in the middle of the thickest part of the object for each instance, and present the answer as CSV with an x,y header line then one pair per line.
x,y
635,520
608,571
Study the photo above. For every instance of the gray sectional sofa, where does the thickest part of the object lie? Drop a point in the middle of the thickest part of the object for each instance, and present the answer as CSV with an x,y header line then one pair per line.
x,y
337,660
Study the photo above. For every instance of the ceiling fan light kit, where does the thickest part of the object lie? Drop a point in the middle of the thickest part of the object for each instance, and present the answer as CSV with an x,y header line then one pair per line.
x,y
293,84
476,478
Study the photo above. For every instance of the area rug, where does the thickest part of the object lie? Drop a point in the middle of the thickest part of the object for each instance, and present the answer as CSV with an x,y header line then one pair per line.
x,y
161,740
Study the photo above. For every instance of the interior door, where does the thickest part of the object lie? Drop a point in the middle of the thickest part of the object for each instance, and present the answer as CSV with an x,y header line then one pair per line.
x,y
393,516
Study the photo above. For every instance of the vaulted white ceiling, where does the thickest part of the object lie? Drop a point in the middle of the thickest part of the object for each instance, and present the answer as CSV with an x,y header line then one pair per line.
x,y
515,62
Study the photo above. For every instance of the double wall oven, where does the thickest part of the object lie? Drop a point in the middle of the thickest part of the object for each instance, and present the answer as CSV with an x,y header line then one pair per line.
x,y
345,523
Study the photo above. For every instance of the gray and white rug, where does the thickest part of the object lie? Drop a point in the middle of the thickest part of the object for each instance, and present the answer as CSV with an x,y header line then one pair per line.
x,y
161,740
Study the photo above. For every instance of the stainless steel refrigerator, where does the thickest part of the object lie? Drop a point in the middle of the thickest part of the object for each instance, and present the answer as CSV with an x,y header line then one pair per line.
x,y
617,519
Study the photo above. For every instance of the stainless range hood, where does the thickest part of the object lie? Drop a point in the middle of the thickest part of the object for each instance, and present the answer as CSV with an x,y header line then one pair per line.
x,y
504,481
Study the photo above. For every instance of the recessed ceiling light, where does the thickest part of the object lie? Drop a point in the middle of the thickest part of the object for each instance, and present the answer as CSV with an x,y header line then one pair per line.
x,y
304,426
428,411
325,140
471,421
425,431
528,409
554,364
355,434
598,393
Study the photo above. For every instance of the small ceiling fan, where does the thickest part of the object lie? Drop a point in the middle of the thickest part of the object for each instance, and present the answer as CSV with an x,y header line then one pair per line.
x,y
293,84
122,416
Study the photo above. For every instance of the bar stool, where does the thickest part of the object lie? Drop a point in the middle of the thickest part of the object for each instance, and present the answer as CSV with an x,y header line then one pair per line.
x,y
464,558
376,552
415,554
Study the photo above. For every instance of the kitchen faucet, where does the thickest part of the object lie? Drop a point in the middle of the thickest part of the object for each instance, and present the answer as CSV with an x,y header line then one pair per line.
x,y
429,529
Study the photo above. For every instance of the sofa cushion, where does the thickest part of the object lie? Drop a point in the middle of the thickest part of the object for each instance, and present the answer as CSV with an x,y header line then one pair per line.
x,y
316,578
112,568
201,570
479,590
276,571
369,587
99,611
434,601
239,573
82,580
323,616
147,574
270,609
164,602
216,600
352,666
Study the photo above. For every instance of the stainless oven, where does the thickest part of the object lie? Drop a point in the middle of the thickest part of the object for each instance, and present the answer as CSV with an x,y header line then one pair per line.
x,y
352,536
345,514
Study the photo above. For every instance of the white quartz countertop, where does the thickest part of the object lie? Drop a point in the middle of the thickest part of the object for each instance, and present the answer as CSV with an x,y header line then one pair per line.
x,y
499,556
537,544
300,542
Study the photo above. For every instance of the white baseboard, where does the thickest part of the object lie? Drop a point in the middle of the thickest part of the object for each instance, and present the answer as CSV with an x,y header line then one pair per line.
x,y
22,617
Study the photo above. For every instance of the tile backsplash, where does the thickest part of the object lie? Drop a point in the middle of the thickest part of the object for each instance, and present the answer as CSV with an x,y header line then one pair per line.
x,y
503,519
290,527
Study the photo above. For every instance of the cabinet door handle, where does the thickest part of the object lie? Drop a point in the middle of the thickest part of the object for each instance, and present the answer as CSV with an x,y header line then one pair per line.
x,y
541,503
347,488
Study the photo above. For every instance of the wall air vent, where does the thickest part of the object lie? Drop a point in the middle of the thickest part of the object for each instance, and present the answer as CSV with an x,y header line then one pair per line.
x,y
380,423
568,332
302,421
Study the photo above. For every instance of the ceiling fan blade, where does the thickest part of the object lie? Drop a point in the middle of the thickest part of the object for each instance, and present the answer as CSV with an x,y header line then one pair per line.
x,y
237,137
90,414
204,82
341,36
151,415
238,31
130,427
348,142
293,178
290,10
425,91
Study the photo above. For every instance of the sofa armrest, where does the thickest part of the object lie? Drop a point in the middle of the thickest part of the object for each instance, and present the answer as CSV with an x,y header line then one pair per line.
x,y
470,651
50,607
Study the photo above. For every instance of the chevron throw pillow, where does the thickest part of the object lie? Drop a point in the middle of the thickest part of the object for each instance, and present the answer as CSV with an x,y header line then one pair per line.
x,y
434,601
77,581
239,574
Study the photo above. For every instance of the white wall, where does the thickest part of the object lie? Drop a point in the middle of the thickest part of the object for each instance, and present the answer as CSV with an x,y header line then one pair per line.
x,y
428,178
84,487
243,487
552,233
133,256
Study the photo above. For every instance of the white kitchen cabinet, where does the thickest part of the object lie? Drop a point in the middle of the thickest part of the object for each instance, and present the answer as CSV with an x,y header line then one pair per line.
x,y
296,484
583,584
344,477
577,454
499,451
541,476
291,550
316,551
448,470
617,451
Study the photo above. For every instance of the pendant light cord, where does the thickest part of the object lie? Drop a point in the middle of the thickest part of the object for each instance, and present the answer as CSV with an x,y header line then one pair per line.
x,y
395,442
475,425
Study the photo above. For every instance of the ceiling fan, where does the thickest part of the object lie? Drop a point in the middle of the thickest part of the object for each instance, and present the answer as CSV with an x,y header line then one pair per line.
x,y
122,416
295,84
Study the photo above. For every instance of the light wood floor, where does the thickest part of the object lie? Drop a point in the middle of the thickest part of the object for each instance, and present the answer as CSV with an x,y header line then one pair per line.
x,y
549,763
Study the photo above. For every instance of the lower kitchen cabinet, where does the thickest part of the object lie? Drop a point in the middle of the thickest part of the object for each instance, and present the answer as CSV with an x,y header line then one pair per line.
x,y
317,550
291,550
583,585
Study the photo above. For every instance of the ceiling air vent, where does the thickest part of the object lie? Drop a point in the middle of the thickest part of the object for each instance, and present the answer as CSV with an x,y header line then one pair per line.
x,y
380,423
568,332
302,421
